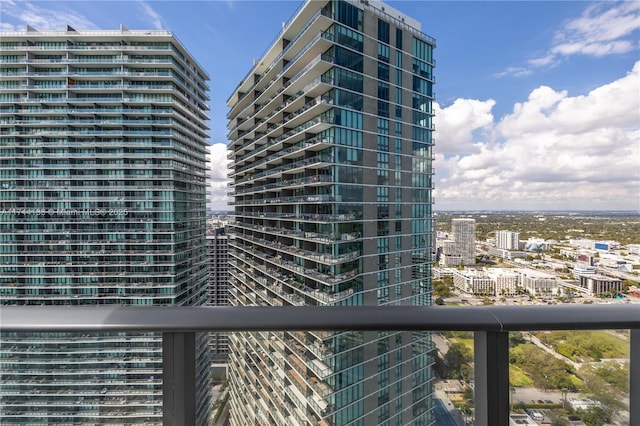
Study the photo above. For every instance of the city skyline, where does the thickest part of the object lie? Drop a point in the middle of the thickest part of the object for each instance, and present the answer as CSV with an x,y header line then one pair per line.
x,y
548,121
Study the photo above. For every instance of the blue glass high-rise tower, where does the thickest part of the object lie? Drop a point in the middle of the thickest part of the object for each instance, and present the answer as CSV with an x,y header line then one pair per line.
x,y
331,153
102,201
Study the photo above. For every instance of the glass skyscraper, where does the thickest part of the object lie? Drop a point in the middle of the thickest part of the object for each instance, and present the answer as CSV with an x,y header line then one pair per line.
x,y
218,254
102,201
331,155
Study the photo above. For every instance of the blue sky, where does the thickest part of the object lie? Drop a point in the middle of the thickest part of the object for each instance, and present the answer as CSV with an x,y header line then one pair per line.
x,y
538,102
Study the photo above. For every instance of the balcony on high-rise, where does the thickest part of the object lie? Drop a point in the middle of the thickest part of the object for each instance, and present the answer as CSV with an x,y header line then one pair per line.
x,y
491,326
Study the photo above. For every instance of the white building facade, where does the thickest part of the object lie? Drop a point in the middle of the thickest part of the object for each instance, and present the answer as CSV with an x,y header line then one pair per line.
x,y
507,240
538,283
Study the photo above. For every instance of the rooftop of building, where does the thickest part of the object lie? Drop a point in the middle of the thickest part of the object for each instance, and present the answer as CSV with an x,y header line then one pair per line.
x,y
123,32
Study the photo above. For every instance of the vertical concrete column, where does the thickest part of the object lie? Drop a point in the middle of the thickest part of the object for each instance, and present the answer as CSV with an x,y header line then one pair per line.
x,y
491,392
179,379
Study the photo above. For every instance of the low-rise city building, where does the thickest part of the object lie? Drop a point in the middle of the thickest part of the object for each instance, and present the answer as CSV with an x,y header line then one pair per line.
x,y
595,245
594,284
474,281
598,284
505,281
439,273
506,254
580,269
633,248
536,244
501,281
537,282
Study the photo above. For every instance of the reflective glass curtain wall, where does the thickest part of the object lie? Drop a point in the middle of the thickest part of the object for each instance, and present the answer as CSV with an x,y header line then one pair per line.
x,y
332,178
102,173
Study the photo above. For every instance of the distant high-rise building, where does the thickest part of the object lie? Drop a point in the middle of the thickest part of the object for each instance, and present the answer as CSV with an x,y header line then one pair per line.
x,y
103,139
447,253
463,231
218,252
331,157
507,240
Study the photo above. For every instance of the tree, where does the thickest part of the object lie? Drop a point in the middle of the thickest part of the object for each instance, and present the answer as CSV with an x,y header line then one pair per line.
x,y
594,416
546,371
615,374
557,417
487,301
456,358
516,338
442,288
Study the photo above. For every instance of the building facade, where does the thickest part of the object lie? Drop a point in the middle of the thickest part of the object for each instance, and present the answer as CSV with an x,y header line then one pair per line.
x,y
581,268
599,284
331,165
506,254
474,281
503,281
218,252
507,240
538,283
447,253
536,244
102,151
463,231
506,280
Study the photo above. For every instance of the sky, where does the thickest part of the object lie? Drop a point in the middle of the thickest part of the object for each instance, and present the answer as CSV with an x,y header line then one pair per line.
x,y
537,103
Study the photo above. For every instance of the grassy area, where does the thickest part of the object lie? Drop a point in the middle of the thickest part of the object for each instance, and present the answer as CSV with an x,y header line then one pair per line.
x,y
518,378
533,366
546,371
467,342
577,383
586,345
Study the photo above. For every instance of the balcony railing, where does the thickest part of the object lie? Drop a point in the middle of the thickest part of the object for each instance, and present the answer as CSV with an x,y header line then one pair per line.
x,y
491,326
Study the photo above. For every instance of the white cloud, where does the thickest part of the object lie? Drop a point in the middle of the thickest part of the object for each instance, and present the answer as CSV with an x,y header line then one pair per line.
x,y
514,71
217,178
457,123
152,16
603,29
4,26
553,151
614,104
42,18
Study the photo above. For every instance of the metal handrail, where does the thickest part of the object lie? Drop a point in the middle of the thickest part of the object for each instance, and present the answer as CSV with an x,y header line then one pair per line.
x,y
372,318
491,326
